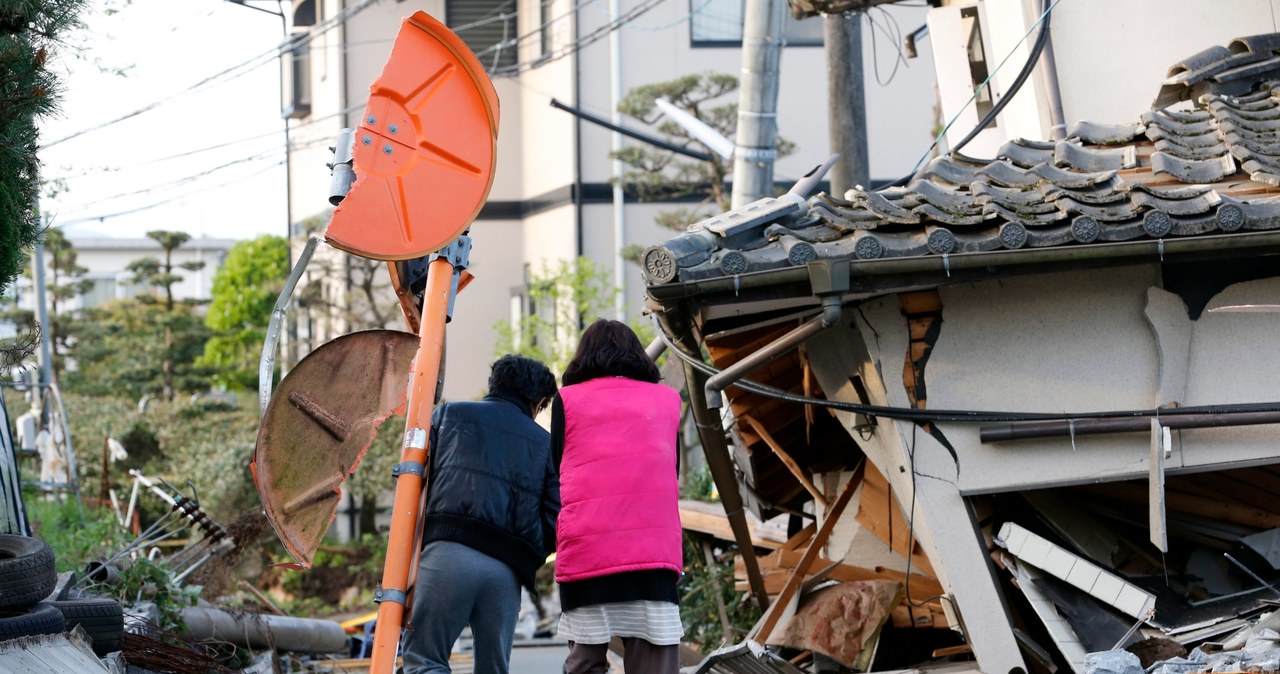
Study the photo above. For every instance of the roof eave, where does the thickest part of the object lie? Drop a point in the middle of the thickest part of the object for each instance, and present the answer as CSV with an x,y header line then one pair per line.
x,y
892,275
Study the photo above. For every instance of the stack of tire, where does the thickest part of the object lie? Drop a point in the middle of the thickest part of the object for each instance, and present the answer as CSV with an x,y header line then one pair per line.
x,y
27,579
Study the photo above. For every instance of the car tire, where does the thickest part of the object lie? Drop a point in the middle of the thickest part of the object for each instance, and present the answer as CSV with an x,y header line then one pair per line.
x,y
26,571
101,618
42,618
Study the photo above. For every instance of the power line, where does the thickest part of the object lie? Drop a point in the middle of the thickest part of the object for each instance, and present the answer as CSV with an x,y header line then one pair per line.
x,y
205,173
575,46
162,202
218,146
233,72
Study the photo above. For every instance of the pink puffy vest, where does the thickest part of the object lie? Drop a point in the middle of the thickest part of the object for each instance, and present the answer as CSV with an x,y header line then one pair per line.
x,y
619,487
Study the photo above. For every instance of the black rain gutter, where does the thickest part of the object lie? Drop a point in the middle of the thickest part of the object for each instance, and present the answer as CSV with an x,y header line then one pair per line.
x,y
875,276
638,135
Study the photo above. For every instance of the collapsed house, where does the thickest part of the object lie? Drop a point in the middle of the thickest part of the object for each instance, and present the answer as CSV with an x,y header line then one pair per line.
x,y
1036,394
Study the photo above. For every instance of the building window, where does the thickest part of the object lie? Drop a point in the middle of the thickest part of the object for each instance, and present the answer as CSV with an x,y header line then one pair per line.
x,y
297,65
718,23
304,13
971,28
488,27
544,23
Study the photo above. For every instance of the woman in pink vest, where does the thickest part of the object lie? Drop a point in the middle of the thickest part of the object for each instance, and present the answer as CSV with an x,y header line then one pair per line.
x,y
618,543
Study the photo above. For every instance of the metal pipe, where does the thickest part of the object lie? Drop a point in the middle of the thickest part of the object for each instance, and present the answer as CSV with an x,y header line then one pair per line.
x,y
267,363
42,314
1133,252
615,145
716,452
656,348
754,143
642,137
1049,429
831,310
252,630
1053,94
810,181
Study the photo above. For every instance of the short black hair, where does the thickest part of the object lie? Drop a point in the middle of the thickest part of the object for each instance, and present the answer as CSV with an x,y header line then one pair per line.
x,y
610,349
521,378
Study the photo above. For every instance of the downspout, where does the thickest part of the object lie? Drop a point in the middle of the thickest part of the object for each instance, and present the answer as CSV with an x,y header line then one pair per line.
x,y
829,280
1049,71
716,452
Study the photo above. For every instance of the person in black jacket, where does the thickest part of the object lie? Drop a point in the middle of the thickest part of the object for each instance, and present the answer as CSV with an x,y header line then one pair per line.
x,y
492,501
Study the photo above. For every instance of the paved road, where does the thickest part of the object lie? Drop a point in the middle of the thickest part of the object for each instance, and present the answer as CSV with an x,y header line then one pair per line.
x,y
538,659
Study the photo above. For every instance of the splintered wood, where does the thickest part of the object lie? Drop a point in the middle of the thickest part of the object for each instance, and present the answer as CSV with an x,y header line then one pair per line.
x,y
880,515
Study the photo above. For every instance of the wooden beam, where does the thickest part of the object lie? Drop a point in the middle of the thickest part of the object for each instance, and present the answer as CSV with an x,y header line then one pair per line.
x,y
789,462
771,617
709,518
1195,505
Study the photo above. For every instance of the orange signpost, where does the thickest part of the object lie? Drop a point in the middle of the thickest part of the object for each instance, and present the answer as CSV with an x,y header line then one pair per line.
x,y
423,158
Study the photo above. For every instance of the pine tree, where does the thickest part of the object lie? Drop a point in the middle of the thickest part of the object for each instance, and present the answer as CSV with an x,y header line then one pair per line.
x,y
29,31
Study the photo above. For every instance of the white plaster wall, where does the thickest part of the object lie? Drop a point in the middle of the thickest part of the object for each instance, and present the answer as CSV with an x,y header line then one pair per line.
x,y
109,258
1111,57
497,266
1081,342
899,114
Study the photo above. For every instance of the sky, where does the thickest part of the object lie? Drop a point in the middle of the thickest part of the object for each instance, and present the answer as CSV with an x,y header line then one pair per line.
x,y
123,179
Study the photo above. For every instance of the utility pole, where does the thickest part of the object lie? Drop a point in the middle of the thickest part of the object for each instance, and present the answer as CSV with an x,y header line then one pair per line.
x,y
755,141
846,101
42,313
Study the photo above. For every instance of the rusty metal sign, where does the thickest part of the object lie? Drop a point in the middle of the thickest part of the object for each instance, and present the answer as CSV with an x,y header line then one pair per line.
x,y
318,426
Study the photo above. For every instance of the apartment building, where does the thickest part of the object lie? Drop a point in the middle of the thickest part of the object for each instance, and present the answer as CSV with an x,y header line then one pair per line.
x,y
552,197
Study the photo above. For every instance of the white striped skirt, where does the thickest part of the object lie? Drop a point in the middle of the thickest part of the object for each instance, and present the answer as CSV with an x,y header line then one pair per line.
x,y
657,622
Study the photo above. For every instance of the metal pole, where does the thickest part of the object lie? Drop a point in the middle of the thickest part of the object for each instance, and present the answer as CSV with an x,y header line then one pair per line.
x,y
716,452
615,144
42,313
291,337
1049,74
1049,429
846,104
757,107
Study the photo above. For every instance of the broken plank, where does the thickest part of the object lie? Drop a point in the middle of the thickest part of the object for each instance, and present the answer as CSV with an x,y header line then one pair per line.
x,y
786,459
780,604
709,518
879,513
921,586
1195,505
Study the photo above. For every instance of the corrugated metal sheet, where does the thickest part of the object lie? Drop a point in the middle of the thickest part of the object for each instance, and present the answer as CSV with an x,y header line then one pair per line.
x,y
13,517
748,657
50,654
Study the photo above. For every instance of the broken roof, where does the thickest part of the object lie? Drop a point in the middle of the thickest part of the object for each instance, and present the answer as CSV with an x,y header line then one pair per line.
x,y
1204,162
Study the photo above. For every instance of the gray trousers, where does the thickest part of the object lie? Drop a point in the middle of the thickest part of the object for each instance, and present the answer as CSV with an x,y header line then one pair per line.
x,y
638,657
459,586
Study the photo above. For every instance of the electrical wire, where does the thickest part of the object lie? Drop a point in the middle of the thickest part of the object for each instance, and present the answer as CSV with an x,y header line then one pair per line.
x,y
1032,59
178,182
901,59
949,416
228,74
218,146
577,45
106,216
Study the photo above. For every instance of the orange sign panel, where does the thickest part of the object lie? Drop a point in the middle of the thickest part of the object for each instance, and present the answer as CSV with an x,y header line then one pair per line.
x,y
424,150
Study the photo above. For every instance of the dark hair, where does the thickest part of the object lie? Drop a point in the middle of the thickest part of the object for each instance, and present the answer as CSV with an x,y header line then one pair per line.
x,y
610,349
524,379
